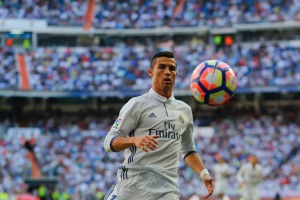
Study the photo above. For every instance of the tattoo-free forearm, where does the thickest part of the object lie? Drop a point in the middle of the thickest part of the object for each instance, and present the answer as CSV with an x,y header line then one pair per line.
x,y
194,161
121,143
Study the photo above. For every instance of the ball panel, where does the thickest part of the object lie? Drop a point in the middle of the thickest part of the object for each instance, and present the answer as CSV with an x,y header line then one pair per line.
x,y
231,80
223,65
211,78
197,92
211,63
197,71
218,98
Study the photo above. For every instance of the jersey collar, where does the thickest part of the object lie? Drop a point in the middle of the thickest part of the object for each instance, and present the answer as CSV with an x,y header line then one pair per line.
x,y
159,97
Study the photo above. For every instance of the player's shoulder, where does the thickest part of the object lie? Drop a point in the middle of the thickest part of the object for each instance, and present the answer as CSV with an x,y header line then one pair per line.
x,y
259,166
246,165
250,166
138,99
183,104
226,165
134,105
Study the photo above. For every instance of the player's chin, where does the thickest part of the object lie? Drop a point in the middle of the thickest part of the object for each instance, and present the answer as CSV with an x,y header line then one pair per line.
x,y
167,86
168,83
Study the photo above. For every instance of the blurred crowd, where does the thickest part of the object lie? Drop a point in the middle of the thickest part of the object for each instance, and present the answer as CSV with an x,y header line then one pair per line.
x,y
71,144
152,14
125,64
192,13
58,13
272,135
71,148
8,69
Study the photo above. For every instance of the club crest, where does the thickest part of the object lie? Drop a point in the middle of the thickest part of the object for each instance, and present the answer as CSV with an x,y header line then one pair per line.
x,y
181,119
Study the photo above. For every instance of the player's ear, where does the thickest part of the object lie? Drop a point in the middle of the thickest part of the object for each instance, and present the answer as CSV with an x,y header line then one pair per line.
x,y
150,72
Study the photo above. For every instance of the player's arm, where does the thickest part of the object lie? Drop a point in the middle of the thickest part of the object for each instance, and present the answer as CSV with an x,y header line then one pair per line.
x,y
191,157
263,175
121,135
240,175
194,161
144,142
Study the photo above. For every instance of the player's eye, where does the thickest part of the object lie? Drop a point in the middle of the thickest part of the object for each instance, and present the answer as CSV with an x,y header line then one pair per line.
x,y
172,68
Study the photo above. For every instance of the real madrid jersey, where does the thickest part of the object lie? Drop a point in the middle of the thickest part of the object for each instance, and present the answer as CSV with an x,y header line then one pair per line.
x,y
221,170
153,114
250,175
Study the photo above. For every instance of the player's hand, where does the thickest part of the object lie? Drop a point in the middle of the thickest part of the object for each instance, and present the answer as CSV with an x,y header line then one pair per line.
x,y
146,142
209,184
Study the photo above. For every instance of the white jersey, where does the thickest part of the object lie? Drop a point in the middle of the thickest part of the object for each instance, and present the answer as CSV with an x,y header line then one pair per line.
x,y
153,114
249,175
222,171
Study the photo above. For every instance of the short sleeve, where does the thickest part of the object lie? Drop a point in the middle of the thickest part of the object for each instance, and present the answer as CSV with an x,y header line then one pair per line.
x,y
188,142
124,124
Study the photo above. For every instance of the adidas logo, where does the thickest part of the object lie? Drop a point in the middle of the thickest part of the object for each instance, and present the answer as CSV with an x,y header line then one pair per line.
x,y
152,115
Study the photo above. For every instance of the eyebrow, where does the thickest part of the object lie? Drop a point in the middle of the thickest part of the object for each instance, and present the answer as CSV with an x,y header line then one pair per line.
x,y
162,64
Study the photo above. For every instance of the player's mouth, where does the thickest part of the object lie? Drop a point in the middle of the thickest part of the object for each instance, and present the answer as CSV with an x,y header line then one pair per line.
x,y
168,80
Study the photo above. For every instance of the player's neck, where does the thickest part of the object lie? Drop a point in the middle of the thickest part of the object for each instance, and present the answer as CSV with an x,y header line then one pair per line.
x,y
164,93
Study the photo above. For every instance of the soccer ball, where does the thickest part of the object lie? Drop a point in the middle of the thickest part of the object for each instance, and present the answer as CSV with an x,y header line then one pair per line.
x,y
213,82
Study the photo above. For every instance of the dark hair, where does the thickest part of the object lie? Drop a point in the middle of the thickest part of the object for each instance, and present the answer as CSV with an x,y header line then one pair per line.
x,y
161,54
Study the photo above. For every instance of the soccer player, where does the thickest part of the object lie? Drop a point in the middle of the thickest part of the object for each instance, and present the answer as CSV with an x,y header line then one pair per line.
x,y
222,172
154,129
249,176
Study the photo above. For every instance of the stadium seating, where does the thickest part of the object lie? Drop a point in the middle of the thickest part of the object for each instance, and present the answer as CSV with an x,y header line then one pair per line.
x,y
69,144
115,68
144,14
73,145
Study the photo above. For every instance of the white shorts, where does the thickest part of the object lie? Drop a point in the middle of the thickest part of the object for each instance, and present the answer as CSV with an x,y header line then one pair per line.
x,y
251,193
146,186
221,187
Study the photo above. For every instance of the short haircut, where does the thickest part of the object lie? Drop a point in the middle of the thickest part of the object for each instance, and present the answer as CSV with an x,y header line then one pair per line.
x,y
161,54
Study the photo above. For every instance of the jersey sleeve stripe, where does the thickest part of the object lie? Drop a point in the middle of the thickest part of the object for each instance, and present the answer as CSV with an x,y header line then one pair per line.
x,y
189,154
111,147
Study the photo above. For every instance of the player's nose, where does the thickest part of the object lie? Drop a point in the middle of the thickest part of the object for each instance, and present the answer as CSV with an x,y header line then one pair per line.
x,y
167,71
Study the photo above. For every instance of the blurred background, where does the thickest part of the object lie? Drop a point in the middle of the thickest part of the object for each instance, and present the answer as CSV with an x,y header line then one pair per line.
x,y
68,66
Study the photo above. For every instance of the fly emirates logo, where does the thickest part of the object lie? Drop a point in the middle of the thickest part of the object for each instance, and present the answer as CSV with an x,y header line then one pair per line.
x,y
167,132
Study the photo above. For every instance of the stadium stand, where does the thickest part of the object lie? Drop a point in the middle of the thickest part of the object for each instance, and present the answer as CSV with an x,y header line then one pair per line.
x,y
8,69
73,63
72,143
113,68
153,14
